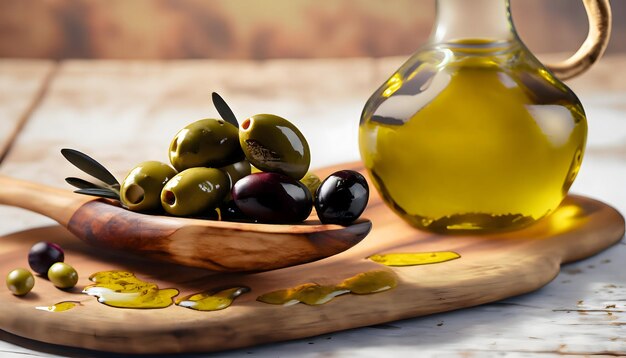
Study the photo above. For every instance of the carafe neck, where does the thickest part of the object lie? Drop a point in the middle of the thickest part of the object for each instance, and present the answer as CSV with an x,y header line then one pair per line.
x,y
463,20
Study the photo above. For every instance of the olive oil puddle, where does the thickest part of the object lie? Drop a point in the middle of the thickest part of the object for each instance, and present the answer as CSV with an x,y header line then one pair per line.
x,y
123,289
313,294
60,306
212,300
414,258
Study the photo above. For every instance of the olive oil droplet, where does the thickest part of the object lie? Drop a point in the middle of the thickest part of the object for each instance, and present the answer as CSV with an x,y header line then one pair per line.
x,y
309,293
124,290
59,307
211,300
369,282
414,258
314,294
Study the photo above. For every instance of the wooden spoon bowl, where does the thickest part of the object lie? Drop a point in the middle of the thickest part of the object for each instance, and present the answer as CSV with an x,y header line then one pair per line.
x,y
215,245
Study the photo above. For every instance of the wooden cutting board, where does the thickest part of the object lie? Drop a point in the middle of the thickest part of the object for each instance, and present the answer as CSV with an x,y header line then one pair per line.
x,y
490,268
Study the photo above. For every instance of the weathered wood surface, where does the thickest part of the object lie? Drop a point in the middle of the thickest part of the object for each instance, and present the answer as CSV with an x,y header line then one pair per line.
x,y
103,106
21,87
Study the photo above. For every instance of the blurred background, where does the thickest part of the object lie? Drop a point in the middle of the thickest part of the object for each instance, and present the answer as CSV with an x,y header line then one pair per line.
x,y
262,29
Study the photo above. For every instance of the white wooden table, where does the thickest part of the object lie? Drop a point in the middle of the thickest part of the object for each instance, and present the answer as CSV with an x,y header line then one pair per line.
x,y
124,112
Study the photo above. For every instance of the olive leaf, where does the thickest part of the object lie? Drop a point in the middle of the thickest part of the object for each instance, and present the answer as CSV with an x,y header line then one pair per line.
x,y
101,192
110,187
90,166
82,184
223,109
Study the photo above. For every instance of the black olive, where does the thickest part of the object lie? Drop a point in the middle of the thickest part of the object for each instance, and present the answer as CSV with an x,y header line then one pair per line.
x,y
341,198
44,254
272,198
230,212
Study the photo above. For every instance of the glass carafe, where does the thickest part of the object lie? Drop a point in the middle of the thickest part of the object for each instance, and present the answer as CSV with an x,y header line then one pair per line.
x,y
473,133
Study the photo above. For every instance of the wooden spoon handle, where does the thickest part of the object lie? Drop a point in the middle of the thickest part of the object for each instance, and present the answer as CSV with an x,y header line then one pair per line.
x,y
57,204
599,15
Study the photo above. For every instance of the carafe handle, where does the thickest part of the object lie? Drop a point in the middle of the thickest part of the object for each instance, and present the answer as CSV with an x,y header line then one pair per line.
x,y
599,16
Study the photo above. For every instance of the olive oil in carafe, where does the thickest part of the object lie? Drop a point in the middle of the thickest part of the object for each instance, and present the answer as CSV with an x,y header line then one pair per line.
x,y
476,136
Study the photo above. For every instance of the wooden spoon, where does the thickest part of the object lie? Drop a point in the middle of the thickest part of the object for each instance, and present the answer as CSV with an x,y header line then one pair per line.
x,y
215,245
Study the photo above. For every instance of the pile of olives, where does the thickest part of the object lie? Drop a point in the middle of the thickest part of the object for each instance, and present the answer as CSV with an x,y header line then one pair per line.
x,y
46,259
255,172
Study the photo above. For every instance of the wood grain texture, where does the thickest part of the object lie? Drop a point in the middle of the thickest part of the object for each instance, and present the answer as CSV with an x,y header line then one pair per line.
x,y
491,268
21,86
214,245
59,205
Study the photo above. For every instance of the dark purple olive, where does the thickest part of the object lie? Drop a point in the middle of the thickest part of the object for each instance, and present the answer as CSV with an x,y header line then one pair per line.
x,y
230,212
272,198
210,214
341,198
43,255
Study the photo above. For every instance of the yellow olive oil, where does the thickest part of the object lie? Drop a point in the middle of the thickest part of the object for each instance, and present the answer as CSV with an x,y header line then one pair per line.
x,y
212,300
123,289
60,306
473,136
369,282
414,258
313,294
309,293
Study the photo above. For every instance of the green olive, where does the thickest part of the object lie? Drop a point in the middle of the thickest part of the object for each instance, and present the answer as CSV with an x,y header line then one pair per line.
x,y
62,275
141,189
194,191
273,144
205,143
236,171
20,281
312,182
